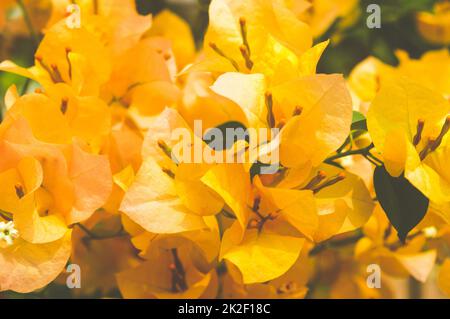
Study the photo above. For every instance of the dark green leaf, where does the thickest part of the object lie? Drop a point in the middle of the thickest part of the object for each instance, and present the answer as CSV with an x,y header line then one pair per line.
x,y
405,205
359,122
255,169
224,136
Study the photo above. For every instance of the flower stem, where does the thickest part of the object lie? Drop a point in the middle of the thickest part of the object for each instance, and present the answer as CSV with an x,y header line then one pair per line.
x,y
363,151
333,243
94,236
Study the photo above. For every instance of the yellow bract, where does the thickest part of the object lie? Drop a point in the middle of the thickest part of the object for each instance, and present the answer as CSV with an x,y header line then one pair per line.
x,y
393,122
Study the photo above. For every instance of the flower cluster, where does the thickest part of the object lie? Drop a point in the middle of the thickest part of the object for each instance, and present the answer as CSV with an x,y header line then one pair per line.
x,y
89,175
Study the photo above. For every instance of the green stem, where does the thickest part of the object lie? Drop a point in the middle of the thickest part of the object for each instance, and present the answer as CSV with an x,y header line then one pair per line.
x,y
227,214
94,236
335,243
362,151
25,86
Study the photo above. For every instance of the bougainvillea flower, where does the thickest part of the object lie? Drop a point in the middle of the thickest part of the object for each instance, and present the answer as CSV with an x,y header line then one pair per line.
x,y
412,135
165,189
170,270
64,190
101,258
336,202
72,56
141,74
321,14
200,102
351,281
323,123
257,236
343,206
313,112
290,285
381,246
170,26
432,70
258,43
115,22
261,21
67,116
262,255
26,267
435,26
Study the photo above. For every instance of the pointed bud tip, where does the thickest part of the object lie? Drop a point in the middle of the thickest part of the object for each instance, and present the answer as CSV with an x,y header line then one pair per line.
x,y
19,190
297,110
161,143
321,174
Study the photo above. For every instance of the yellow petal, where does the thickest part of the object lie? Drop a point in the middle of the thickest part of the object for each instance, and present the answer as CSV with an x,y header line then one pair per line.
x,y
222,179
152,202
198,197
26,267
170,26
324,123
92,183
124,178
11,96
264,256
344,206
38,109
365,78
395,152
419,265
412,102
248,91
200,102
35,228
296,206
310,59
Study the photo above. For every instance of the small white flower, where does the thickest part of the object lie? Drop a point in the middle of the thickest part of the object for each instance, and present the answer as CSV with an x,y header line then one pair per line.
x,y
8,233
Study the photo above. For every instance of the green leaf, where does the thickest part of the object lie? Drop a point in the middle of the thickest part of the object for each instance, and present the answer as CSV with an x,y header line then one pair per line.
x,y
255,169
226,139
405,205
359,122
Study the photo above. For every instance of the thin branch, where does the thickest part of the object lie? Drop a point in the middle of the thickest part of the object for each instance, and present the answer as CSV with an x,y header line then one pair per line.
x,y
94,236
362,151
334,243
